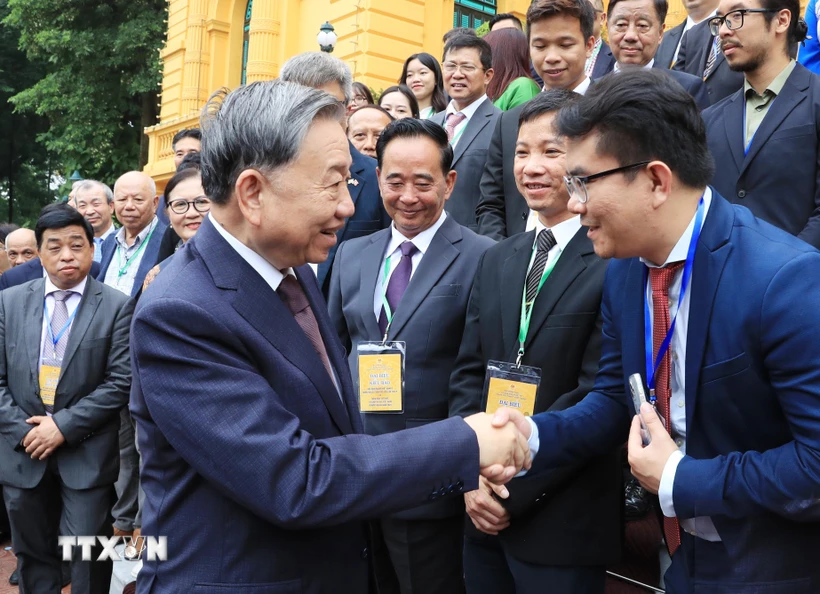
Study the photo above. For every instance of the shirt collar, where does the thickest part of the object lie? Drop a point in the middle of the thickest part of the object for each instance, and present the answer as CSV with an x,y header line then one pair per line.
x,y
422,241
467,111
111,229
582,88
776,86
563,231
120,237
269,273
52,288
648,66
681,249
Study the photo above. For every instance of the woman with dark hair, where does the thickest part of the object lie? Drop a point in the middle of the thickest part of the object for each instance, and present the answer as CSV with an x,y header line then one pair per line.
x,y
422,74
361,96
511,86
400,102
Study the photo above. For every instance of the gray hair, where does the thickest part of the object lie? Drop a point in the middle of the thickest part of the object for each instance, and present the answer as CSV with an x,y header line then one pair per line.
x,y
316,69
259,126
90,184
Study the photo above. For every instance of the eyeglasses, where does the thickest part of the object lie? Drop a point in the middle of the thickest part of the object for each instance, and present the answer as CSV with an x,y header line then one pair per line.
x,y
577,185
200,204
733,19
359,99
466,69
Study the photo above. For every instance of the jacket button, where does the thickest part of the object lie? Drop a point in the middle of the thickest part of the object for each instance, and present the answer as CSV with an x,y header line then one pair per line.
x,y
433,496
460,485
524,216
364,553
741,194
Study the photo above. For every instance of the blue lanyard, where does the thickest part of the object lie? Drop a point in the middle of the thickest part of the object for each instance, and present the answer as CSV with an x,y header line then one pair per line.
x,y
687,274
56,339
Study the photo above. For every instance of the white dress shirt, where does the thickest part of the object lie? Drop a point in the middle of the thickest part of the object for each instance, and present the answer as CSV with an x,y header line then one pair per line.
x,y
583,86
269,273
701,526
72,303
468,113
421,241
126,256
647,66
689,24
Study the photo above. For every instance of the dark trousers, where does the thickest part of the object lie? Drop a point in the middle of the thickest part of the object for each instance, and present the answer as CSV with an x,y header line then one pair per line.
x,y
418,556
488,569
4,517
128,483
39,515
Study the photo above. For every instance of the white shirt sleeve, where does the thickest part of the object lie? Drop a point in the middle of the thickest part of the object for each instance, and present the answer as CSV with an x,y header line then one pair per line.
x,y
668,483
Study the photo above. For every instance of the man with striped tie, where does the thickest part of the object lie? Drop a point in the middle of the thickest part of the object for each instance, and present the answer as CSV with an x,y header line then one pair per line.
x,y
64,376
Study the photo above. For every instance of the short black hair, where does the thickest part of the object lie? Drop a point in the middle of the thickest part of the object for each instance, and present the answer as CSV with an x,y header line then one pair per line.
x,y
179,177
669,127
798,30
549,101
413,128
60,216
190,161
194,133
458,42
505,16
661,8
457,31
404,90
582,10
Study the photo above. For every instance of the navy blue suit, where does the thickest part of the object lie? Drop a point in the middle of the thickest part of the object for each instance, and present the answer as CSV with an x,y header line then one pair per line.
x,y
693,85
752,405
149,256
604,63
777,179
369,217
31,270
240,427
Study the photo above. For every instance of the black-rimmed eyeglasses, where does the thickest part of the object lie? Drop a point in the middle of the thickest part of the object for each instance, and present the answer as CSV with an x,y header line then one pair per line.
x,y
180,206
733,19
577,185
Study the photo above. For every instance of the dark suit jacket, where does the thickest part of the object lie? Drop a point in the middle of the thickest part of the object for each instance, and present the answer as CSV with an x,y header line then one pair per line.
x,y
694,53
429,319
246,442
150,257
777,179
469,160
370,215
669,43
32,270
93,386
565,342
693,85
752,402
604,63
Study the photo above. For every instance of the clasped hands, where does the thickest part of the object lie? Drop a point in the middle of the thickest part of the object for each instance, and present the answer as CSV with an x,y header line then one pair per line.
x,y
44,438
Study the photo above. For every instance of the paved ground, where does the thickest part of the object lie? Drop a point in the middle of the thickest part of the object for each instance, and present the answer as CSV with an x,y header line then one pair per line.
x,y
7,565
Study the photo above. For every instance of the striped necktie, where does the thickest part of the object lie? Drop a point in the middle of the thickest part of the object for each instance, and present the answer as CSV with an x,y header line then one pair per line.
x,y
710,62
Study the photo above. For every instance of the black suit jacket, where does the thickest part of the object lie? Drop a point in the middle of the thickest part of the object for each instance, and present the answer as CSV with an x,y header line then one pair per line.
x,y
777,179
572,517
694,52
605,62
691,84
32,270
669,43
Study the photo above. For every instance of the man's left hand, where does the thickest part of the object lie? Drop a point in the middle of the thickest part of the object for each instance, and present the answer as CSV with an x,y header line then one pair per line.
x,y
44,438
648,462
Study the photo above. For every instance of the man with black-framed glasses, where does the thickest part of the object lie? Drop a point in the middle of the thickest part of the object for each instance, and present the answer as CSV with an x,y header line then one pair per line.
x,y
764,137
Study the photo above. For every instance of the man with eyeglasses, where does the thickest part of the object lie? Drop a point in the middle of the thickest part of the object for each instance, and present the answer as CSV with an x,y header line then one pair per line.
x,y
95,201
468,120
764,137
716,312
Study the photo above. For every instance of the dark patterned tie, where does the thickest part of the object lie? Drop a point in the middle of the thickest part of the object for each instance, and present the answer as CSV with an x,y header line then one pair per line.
x,y
710,61
661,280
398,282
544,243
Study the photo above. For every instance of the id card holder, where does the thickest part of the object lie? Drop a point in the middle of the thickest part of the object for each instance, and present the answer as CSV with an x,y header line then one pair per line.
x,y
49,378
381,376
511,385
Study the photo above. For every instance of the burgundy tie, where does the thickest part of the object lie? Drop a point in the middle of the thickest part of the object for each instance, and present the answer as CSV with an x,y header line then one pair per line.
x,y
661,280
291,293
398,282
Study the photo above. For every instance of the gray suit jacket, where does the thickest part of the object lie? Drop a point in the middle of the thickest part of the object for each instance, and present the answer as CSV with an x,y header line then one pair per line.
x,y
430,319
94,385
469,159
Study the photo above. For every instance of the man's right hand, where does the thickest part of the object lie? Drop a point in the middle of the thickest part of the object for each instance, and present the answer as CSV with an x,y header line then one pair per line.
x,y
487,514
503,450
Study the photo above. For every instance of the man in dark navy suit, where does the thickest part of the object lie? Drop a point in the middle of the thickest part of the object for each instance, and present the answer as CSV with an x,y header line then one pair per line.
x,y
322,71
700,55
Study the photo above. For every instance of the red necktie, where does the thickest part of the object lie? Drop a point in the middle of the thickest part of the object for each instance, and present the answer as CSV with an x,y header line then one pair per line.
x,y
661,279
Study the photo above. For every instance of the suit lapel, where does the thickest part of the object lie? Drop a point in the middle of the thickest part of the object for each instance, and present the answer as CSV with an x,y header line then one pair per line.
x,y
440,255
570,264
633,361
33,328
733,125
85,314
371,268
511,288
476,124
149,258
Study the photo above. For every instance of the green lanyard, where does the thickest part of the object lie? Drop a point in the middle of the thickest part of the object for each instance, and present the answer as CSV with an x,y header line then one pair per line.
x,y
526,308
387,311
123,268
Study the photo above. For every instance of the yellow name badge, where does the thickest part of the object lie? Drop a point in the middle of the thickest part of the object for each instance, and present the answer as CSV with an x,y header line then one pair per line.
x,y
510,385
381,378
49,378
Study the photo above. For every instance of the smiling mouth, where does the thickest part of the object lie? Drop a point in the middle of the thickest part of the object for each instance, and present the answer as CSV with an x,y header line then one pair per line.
x,y
554,71
536,186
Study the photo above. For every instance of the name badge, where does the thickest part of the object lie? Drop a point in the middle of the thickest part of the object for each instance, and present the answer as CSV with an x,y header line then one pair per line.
x,y
381,376
511,385
49,378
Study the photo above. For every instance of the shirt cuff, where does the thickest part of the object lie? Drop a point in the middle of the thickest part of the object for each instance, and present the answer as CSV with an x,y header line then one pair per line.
x,y
665,490
534,442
